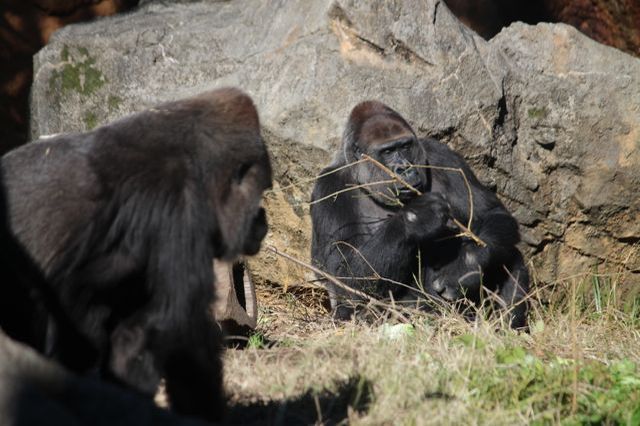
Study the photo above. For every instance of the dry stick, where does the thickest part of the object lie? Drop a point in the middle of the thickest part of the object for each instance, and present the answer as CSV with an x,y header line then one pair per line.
x,y
316,400
391,173
377,276
346,166
359,253
466,230
351,188
466,182
336,282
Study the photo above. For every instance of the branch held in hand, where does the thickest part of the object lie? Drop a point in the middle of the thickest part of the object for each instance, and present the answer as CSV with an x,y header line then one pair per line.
x,y
466,230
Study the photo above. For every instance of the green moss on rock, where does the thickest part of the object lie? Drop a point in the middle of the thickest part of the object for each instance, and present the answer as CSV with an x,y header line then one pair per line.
x,y
90,120
114,102
78,74
538,113
64,55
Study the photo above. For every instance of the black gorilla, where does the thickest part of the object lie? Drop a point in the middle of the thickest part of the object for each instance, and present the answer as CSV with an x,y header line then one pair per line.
x,y
36,391
122,224
390,240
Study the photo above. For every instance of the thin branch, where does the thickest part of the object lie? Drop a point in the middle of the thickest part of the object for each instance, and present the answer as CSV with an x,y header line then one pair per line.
x,y
466,230
350,188
346,166
376,275
466,182
391,173
359,253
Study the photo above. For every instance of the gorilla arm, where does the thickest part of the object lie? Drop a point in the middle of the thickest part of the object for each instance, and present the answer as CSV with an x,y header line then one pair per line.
x,y
491,222
175,334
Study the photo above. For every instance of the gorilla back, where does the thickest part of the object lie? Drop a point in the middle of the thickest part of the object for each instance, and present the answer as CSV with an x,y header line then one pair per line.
x,y
123,223
396,235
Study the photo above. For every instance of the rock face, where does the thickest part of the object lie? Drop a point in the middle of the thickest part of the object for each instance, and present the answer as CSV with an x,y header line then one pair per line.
x,y
546,116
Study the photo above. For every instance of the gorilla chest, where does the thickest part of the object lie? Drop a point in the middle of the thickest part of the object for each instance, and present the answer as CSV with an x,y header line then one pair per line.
x,y
372,217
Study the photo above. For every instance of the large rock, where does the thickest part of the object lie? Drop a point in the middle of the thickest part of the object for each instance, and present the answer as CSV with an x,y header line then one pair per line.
x,y
546,116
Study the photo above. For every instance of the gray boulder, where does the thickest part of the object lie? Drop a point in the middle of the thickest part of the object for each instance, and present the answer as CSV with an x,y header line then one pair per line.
x,y
546,116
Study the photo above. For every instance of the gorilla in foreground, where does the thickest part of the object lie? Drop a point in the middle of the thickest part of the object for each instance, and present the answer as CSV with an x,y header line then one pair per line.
x,y
396,233
36,391
121,225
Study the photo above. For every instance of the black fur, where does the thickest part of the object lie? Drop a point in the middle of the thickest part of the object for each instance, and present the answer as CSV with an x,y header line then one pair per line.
x,y
123,223
409,240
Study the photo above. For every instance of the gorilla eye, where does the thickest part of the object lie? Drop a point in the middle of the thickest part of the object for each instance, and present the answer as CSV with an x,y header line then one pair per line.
x,y
242,172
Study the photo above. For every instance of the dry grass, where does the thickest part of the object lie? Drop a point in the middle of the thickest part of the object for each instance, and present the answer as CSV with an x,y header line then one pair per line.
x,y
577,365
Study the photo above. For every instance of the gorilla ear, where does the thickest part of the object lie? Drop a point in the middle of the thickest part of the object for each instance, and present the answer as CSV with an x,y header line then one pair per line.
x,y
356,149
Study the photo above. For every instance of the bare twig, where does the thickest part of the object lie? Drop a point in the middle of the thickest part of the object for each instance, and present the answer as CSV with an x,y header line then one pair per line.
x,y
346,166
351,188
376,275
466,230
466,182
391,173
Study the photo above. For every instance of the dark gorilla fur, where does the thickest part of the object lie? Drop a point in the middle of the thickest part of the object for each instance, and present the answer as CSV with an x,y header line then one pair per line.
x,y
122,224
389,230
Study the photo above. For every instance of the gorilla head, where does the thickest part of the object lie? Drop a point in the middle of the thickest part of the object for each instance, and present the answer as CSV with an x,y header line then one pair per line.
x,y
241,170
378,131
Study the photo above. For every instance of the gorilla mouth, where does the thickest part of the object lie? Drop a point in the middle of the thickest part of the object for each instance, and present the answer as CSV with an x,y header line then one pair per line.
x,y
406,193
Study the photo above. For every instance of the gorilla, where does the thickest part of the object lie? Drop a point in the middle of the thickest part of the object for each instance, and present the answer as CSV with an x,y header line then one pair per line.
x,y
37,391
109,238
386,221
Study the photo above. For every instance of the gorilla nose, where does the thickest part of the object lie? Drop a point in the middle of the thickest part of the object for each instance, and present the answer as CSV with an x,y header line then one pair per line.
x,y
410,175
408,172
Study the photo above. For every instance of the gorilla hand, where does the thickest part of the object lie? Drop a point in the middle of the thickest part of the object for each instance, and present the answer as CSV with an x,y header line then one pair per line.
x,y
427,216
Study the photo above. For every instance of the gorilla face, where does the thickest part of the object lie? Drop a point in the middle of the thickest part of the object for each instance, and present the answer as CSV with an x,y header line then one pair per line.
x,y
387,138
243,229
248,187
